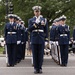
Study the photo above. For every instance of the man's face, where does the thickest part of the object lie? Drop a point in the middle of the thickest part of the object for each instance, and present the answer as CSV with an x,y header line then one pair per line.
x,y
63,22
37,13
11,19
17,21
56,23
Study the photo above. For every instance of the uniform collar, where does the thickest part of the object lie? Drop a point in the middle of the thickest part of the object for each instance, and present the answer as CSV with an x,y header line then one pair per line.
x,y
11,23
38,16
63,25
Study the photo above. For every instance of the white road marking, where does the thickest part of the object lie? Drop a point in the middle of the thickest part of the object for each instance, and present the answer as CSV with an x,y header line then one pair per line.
x,y
32,67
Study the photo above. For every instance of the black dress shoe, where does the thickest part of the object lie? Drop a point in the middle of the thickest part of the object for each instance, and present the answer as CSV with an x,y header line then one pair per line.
x,y
40,71
65,65
62,65
18,61
36,72
8,65
12,65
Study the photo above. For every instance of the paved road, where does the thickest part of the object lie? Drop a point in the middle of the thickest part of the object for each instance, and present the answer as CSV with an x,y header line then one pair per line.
x,y
49,67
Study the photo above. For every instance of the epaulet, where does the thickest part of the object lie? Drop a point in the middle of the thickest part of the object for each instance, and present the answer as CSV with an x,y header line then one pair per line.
x,y
50,27
45,21
68,28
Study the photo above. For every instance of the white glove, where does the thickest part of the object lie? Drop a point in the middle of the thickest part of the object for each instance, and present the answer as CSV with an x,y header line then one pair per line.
x,y
56,42
69,42
73,41
51,42
18,42
46,43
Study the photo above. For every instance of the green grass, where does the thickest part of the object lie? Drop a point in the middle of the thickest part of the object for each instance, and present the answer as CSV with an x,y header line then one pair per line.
x,y
1,50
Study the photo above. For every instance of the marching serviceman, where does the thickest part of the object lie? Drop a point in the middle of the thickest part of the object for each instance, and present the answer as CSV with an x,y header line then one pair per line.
x,y
24,39
11,40
54,39
64,37
38,28
57,51
19,38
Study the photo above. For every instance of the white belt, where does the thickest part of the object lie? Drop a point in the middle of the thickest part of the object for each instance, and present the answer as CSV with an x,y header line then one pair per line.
x,y
63,35
38,30
73,41
11,32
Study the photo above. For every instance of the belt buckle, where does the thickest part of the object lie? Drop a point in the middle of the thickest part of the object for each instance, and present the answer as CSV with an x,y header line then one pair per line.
x,y
10,33
37,30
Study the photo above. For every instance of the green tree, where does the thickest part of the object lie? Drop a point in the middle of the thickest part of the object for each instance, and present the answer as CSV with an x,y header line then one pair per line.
x,y
51,9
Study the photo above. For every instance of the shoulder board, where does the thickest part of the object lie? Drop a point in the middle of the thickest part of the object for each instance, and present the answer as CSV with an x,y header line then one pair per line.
x,y
45,21
68,28
50,27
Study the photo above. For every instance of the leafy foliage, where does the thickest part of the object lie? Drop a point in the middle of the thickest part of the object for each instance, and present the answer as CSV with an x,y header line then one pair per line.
x,y
51,9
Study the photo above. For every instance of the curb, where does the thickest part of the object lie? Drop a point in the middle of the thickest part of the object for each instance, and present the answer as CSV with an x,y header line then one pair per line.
x,y
2,55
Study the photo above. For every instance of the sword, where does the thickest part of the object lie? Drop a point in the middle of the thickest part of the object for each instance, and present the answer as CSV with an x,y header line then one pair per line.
x,y
6,54
58,53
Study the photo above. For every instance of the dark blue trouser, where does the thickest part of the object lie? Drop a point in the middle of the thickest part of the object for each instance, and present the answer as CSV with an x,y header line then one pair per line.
x,y
23,50
64,54
38,52
11,51
19,52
